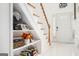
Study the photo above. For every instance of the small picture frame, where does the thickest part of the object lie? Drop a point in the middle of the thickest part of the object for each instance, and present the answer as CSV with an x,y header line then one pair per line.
x,y
62,5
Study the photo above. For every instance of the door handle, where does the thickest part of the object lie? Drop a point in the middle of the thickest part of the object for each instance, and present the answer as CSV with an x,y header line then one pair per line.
x,y
57,28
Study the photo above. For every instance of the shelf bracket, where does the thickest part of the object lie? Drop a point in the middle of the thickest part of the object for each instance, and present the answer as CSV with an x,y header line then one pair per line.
x,y
31,5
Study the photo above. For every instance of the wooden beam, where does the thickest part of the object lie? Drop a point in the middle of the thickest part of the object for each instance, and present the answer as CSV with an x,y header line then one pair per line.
x,y
47,23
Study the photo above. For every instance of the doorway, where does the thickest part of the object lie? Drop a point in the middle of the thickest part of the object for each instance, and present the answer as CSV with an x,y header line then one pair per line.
x,y
63,27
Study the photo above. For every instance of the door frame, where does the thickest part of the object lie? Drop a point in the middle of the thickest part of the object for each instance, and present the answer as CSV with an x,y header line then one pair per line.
x,y
54,27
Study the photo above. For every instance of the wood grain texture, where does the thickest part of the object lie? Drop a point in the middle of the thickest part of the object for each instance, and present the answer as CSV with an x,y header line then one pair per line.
x,y
49,41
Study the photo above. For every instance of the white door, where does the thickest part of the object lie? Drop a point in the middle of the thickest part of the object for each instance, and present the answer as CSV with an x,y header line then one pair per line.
x,y
64,31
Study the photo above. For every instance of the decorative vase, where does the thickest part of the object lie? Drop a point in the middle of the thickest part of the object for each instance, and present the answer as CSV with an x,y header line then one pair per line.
x,y
27,41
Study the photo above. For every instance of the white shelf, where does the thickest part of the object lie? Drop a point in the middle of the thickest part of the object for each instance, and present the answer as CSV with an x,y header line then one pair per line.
x,y
27,18
17,33
21,30
26,45
17,38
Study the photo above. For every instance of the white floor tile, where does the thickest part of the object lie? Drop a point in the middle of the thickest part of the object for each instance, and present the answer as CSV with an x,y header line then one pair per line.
x,y
59,49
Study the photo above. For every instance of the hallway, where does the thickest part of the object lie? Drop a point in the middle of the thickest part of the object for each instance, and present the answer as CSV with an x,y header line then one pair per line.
x,y
34,30
61,49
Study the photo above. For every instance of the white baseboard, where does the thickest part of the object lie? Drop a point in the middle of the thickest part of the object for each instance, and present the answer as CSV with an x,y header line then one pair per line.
x,y
64,42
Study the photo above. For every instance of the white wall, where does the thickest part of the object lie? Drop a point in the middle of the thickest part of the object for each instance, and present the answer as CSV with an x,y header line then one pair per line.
x,y
76,22
76,30
4,28
52,9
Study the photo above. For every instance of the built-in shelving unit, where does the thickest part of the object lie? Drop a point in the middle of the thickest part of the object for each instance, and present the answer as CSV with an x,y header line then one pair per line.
x,y
37,41
22,9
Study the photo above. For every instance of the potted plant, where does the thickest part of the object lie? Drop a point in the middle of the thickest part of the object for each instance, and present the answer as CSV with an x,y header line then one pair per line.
x,y
27,37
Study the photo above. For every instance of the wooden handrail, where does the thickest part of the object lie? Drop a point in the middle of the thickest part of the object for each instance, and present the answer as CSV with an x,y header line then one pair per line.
x,y
46,22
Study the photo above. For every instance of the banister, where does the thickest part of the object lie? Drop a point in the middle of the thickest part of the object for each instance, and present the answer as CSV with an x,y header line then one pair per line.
x,y
46,22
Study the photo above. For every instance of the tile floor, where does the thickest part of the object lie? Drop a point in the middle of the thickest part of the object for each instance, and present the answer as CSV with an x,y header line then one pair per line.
x,y
61,49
